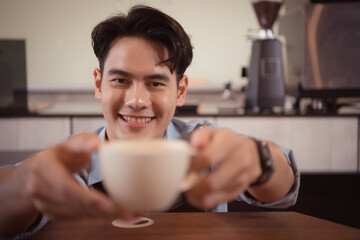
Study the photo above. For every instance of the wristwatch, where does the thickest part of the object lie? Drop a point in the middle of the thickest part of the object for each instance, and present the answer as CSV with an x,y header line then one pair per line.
x,y
266,161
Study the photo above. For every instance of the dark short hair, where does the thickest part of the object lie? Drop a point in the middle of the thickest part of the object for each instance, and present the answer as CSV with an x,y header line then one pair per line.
x,y
150,24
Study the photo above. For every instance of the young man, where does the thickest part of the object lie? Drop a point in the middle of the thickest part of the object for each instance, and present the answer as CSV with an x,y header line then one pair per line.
x,y
140,82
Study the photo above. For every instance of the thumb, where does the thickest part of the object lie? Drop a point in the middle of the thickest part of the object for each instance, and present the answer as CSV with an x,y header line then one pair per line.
x,y
76,152
200,138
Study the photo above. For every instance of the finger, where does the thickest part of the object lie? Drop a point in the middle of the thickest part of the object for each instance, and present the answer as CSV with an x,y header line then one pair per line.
x,y
219,181
80,203
200,137
105,206
55,213
219,146
199,140
55,191
214,183
76,152
52,196
48,179
240,169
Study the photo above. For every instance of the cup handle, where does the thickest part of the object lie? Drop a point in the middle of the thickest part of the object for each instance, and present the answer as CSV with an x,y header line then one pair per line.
x,y
191,179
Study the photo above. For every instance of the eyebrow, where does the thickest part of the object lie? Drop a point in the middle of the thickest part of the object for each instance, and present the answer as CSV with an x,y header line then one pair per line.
x,y
119,72
127,74
158,76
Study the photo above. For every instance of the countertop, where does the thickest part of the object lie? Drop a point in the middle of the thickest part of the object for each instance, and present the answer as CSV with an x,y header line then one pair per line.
x,y
198,104
94,110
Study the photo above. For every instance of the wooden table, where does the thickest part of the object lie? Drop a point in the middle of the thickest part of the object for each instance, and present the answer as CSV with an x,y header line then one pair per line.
x,y
234,225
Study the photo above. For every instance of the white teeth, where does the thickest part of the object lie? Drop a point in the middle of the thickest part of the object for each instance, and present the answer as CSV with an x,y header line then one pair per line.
x,y
137,120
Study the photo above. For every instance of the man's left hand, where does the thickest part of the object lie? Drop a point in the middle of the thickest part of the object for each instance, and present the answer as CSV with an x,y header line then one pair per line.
x,y
236,162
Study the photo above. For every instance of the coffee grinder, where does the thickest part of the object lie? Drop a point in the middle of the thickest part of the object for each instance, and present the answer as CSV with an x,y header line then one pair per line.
x,y
266,88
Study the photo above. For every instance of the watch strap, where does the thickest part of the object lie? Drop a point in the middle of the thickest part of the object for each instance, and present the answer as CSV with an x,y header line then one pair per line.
x,y
266,162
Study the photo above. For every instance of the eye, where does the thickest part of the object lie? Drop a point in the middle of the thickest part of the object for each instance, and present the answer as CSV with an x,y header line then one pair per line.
x,y
120,80
156,84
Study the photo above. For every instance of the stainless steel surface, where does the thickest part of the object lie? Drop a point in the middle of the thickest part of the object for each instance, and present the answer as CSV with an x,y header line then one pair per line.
x,y
332,46
322,45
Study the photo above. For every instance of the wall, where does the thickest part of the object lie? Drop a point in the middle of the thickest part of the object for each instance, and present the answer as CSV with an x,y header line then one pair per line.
x,y
58,44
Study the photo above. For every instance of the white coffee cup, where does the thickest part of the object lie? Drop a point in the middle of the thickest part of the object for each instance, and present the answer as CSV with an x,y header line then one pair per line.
x,y
146,175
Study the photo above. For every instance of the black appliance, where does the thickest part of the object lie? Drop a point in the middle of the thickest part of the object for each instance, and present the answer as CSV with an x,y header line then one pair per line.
x,y
13,90
266,78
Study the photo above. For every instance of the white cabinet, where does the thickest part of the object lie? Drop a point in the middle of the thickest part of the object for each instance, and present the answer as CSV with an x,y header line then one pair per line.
x,y
320,144
23,134
9,133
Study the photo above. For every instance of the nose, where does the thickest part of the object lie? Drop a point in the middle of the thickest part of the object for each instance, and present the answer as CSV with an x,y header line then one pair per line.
x,y
137,97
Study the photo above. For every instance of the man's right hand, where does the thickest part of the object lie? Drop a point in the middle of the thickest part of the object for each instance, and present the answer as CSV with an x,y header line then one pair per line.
x,y
45,183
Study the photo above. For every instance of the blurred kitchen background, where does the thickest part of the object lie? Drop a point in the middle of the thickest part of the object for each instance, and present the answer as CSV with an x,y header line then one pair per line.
x,y
58,44
46,93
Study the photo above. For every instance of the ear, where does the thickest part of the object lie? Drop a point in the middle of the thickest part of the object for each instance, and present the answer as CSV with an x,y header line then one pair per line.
x,y
97,81
181,91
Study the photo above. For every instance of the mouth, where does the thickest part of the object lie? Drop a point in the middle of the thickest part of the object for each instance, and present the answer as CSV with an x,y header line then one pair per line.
x,y
136,119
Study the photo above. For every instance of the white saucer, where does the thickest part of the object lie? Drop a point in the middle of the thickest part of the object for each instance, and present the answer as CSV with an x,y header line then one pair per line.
x,y
137,223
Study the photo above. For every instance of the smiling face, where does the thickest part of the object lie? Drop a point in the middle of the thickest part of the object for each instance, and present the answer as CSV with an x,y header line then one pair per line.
x,y
138,94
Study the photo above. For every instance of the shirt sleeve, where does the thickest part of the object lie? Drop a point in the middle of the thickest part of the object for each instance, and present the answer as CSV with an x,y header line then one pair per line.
x,y
289,199
39,223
